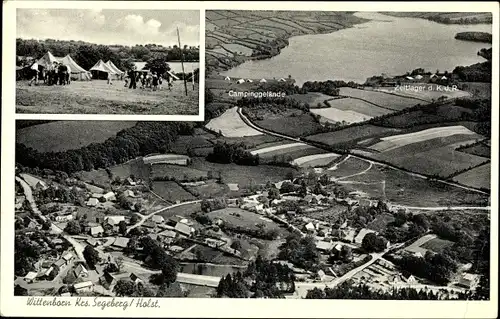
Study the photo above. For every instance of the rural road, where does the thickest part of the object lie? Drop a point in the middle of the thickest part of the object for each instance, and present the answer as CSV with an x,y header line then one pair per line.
x,y
144,218
371,161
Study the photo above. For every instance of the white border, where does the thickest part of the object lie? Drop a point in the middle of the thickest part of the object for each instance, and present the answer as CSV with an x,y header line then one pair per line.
x,y
231,308
10,40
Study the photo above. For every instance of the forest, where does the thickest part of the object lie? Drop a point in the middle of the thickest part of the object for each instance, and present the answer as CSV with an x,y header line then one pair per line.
x,y
87,54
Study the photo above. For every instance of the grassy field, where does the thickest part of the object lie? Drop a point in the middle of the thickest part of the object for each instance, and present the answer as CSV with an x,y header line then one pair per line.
x,y
352,135
134,167
230,124
358,106
97,97
283,146
210,190
53,136
437,245
481,149
184,210
348,167
286,157
243,218
97,177
171,191
316,160
180,173
300,125
251,142
184,143
385,100
334,115
311,98
479,177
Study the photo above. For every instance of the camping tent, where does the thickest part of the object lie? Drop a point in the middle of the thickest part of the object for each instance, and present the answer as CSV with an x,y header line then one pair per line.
x,y
409,78
77,72
101,70
173,75
240,81
113,67
282,80
419,77
249,81
47,61
227,78
444,78
263,81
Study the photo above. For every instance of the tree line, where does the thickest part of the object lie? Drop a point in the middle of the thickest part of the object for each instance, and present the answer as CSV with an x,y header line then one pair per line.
x,y
226,153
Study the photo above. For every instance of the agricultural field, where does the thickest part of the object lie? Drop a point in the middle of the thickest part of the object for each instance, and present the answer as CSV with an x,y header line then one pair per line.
x,y
478,177
97,177
185,143
395,141
134,167
312,98
53,136
328,215
384,100
184,210
479,149
358,106
251,142
230,124
177,172
347,167
171,191
430,93
300,125
351,135
334,115
238,49
210,189
277,148
97,97
316,160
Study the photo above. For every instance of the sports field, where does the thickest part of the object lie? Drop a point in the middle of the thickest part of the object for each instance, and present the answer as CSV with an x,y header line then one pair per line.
x,y
98,97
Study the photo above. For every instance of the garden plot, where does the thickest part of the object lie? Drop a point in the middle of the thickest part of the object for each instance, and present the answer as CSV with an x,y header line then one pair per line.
x,y
231,125
392,142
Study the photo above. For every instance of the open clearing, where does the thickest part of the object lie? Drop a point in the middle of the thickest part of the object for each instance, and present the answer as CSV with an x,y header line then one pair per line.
x,y
389,101
311,98
242,218
392,142
358,106
333,115
177,172
295,126
53,136
171,191
231,125
479,177
437,244
316,160
431,92
97,97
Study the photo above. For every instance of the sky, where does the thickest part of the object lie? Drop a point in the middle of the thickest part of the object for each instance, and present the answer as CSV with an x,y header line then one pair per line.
x,y
110,26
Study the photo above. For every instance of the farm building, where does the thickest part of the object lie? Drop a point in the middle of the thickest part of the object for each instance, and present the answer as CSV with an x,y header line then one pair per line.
x,y
114,220
149,224
172,221
324,246
348,234
135,279
34,182
128,193
167,159
93,242
85,286
233,187
81,271
68,257
310,228
158,219
409,278
60,264
362,233
96,231
184,229
120,242
92,202
167,234
468,280
282,80
30,276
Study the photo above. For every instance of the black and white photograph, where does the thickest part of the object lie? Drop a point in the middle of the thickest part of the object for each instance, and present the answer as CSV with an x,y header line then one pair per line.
x,y
341,161
107,61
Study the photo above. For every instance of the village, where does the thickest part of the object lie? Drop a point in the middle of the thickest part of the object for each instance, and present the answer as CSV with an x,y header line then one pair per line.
x,y
108,223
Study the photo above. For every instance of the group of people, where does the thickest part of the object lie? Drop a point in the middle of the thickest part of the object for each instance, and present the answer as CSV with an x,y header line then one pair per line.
x,y
153,80
57,73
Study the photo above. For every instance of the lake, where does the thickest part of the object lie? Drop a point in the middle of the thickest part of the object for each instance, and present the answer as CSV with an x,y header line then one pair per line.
x,y
385,44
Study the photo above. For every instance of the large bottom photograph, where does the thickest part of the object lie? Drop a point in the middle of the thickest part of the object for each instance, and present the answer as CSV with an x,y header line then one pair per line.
x,y
178,209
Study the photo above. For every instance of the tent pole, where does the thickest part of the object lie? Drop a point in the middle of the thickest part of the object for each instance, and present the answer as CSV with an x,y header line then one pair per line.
x,y
182,62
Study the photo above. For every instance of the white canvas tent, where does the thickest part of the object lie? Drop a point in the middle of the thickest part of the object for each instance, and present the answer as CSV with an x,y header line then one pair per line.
x,y
282,80
240,81
263,81
419,77
227,78
249,81
101,67
113,67
77,72
47,61
444,78
409,78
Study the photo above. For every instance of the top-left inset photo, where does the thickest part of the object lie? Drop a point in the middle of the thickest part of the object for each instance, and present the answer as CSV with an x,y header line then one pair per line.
x,y
107,61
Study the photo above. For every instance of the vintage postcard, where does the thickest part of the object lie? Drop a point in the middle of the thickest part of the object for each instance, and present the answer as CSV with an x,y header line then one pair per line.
x,y
345,163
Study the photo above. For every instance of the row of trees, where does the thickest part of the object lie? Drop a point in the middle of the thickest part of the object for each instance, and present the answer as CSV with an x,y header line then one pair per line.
x,y
301,251
232,153
144,138
479,72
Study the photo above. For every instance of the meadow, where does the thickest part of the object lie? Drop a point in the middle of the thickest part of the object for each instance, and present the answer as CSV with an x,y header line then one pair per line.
x,y
478,177
231,125
97,97
53,136
388,101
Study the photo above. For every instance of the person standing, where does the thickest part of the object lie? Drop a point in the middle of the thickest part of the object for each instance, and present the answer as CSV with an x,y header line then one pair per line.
x,y
34,74
155,81
68,74
133,83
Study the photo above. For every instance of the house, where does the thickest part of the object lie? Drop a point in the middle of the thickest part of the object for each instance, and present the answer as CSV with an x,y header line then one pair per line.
x,y
19,201
109,196
363,202
409,278
232,202
128,193
108,281
130,181
96,231
158,219
64,218
310,228
92,202
233,187
184,229
149,224
135,279
81,271
469,280
32,224
444,78
176,249
167,234
68,257
249,80
348,234
321,275
419,77
60,264
120,242
114,220
362,233
324,246
308,198
30,277
85,286
338,248
93,242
